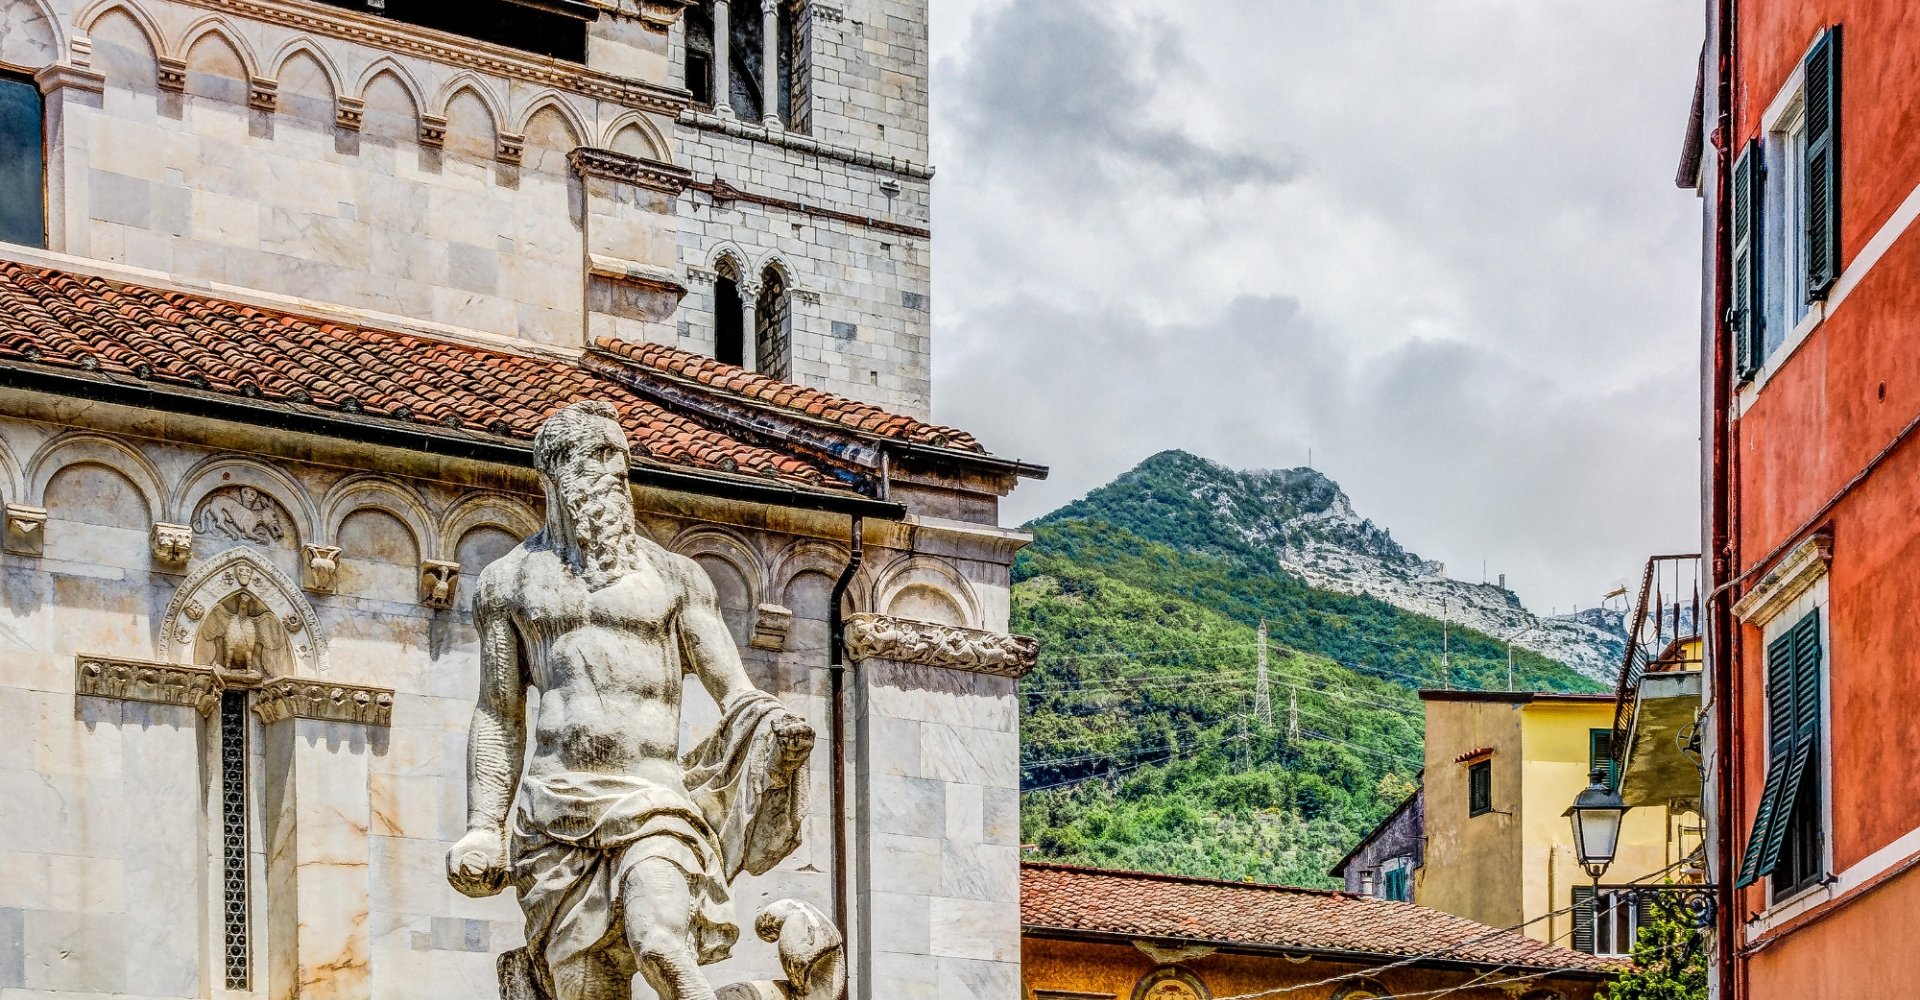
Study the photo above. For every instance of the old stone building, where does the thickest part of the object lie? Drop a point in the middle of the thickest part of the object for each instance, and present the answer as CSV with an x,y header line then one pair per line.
x,y
291,288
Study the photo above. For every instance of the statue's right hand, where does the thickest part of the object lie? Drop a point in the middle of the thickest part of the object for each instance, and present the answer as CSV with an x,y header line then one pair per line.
x,y
477,864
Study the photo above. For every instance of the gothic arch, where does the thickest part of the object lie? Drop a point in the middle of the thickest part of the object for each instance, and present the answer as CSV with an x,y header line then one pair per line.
x,y
30,36
551,99
221,577
485,510
214,24
88,20
389,66
910,573
371,492
729,252
638,125
220,471
466,80
86,448
301,45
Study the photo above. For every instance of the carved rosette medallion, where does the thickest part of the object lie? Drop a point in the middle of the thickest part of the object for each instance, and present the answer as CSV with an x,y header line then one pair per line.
x,y
298,698
239,586
883,637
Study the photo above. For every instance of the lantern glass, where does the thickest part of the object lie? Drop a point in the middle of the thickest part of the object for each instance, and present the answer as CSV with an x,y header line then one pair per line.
x,y
1596,814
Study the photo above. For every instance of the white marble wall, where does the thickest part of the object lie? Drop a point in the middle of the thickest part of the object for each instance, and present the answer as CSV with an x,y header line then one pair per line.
x,y
109,841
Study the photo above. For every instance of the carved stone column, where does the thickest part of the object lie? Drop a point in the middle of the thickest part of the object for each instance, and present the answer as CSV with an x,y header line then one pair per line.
x,y
722,68
770,63
749,325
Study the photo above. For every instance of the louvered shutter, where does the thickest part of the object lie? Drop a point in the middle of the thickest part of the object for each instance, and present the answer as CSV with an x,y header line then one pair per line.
x,y
1583,918
1646,909
1780,733
1745,325
1822,71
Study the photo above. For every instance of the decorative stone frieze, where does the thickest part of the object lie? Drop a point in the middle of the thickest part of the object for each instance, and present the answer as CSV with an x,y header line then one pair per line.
x,y
172,74
172,543
301,698
771,624
438,582
349,113
26,529
1797,571
320,568
607,164
882,637
159,683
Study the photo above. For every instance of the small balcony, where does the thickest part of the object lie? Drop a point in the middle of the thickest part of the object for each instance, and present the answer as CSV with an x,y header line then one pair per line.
x,y
1656,745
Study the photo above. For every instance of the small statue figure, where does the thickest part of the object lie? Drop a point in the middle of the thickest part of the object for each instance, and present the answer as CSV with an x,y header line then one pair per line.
x,y
622,854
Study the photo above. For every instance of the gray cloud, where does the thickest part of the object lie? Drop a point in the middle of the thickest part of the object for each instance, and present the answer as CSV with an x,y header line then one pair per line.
x,y
1477,307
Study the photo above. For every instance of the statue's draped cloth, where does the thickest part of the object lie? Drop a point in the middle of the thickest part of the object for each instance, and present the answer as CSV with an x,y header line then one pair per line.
x,y
576,835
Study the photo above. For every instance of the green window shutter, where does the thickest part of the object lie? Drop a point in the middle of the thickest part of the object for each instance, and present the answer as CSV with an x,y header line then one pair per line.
x,y
1793,740
1583,918
1600,756
1745,324
1646,909
1822,71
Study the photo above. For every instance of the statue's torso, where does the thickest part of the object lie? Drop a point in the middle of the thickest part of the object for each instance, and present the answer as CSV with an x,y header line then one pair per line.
x,y
606,666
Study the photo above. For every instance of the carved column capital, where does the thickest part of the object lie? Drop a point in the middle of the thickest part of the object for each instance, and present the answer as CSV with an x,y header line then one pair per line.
x,y
159,683
882,637
301,698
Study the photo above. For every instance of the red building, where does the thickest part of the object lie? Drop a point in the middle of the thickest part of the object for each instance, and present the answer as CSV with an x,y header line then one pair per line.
x,y
1806,149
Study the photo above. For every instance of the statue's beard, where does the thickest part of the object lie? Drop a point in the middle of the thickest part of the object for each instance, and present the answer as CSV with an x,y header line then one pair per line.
x,y
600,516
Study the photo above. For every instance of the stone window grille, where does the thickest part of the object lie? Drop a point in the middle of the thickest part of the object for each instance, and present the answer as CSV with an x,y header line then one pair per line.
x,y
23,175
235,876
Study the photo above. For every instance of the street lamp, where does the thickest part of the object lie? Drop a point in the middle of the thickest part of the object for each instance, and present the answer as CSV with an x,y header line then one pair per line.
x,y
1596,814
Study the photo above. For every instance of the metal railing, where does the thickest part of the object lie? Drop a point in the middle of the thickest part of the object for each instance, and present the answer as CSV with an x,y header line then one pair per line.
x,y
1668,611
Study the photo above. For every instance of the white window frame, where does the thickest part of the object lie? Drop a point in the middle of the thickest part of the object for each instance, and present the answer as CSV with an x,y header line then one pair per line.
x,y
1609,906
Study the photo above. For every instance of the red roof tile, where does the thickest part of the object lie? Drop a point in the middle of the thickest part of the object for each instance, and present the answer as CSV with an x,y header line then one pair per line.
x,y
88,324
736,381
1162,907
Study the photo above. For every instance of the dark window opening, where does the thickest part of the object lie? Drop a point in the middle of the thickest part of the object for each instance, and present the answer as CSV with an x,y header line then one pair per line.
x,y
746,54
1480,788
1800,851
1600,756
773,333
699,22
556,28
729,334
23,174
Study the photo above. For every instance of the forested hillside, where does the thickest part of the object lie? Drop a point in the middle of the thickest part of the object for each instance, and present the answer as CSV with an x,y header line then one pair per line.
x,y
1140,744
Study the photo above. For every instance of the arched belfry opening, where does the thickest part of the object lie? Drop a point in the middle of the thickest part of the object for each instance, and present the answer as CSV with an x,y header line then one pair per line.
x,y
773,326
729,323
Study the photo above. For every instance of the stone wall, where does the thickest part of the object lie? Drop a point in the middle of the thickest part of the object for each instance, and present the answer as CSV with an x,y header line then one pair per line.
x,y
112,841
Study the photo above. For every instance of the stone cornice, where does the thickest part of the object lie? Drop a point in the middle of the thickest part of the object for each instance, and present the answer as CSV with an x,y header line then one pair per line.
x,y
137,680
467,53
326,701
707,121
883,637
588,161
1797,572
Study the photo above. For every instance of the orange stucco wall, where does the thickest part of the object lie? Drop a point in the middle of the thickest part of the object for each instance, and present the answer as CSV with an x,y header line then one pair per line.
x,y
1841,398
1102,969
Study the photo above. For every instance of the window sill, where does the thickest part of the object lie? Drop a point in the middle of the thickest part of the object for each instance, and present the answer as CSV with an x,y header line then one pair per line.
x,y
1780,911
1748,393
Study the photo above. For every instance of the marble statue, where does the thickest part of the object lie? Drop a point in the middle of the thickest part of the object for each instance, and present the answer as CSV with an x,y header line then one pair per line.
x,y
622,852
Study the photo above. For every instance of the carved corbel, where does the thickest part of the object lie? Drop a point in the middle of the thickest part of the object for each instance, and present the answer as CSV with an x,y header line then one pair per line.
x,y
438,580
172,543
296,698
172,74
510,148
320,568
349,113
770,626
264,95
433,131
26,529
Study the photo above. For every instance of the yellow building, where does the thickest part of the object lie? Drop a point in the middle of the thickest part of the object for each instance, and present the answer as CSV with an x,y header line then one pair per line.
x,y
1501,770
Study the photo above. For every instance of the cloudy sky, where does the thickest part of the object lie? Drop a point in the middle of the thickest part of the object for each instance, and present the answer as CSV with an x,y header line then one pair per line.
x,y
1435,241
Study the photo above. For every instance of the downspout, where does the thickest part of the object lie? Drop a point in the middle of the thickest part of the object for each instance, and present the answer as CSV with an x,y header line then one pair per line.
x,y
1720,545
837,716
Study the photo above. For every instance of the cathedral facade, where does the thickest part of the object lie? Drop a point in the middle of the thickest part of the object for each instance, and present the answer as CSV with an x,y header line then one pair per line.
x,y
290,290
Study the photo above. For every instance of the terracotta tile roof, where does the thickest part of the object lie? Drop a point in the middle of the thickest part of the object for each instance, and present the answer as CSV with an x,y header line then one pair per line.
x,y
116,331
738,382
1475,754
1061,898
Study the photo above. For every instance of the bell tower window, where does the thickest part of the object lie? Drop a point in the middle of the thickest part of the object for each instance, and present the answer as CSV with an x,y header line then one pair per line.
x,y
729,325
747,59
23,198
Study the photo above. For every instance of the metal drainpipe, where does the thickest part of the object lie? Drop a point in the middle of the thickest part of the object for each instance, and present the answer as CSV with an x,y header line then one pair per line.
x,y
1720,549
837,717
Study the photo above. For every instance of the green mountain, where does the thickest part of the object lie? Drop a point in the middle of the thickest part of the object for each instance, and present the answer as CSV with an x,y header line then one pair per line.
x,y
1142,746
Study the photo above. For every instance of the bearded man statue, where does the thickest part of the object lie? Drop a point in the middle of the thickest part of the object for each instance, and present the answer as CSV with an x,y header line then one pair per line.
x,y
622,853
